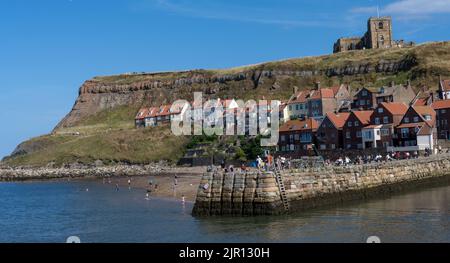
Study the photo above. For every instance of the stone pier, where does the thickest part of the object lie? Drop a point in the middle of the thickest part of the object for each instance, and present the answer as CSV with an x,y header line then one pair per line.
x,y
257,192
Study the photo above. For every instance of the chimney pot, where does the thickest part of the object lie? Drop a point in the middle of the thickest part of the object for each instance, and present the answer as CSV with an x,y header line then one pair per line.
x,y
318,85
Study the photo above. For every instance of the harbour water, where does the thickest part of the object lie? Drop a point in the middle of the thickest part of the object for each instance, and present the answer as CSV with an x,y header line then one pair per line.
x,y
97,212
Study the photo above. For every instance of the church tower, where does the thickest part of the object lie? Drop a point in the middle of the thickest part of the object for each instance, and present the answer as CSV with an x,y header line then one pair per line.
x,y
379,33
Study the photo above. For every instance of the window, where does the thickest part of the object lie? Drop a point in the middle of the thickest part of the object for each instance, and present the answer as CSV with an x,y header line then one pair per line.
x,y
416,119
323,146
380,25
356,123
406,120
283,138
427,117
362,102
368,135
360,146
290,107
364,92
385,120
283,148
333,146
358,134
297,107
292,147
405,132
291,137
350,124
296,137
380,110
349,146
377,120
348,135
443,111
384,132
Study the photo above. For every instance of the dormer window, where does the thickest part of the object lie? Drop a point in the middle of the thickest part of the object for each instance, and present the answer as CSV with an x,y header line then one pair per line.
x,y
427,117
380,110
406,120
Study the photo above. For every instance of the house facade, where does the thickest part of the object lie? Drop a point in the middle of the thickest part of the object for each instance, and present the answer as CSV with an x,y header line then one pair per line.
x,y
381,131
297,136
442,109
417,130
352,129
444,89
369,98
329,134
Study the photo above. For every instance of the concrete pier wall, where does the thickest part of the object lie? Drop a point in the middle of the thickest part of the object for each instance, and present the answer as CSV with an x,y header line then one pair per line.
x,y
257,193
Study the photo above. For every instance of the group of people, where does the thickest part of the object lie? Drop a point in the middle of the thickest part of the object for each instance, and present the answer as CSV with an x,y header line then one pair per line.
x,y
345,161
270,162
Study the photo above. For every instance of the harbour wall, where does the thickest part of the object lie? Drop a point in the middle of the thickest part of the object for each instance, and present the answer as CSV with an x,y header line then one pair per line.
x,y
259,192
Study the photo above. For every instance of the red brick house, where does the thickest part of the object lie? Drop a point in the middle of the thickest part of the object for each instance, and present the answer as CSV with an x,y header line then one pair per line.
x,y
329,134
381,131
417,130
442,109
352,130
297,136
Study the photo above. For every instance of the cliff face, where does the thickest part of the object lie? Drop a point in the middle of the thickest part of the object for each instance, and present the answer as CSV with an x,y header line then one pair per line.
x,y
268,80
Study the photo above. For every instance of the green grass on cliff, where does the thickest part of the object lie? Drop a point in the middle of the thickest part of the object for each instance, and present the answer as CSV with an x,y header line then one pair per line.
x,y
135,146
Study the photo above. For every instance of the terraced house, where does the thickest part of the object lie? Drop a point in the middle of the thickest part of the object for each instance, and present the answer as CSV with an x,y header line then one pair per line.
x,y
442,109
353,127
417,130
318,102
329,134
297,136
381,131
444,89
369,98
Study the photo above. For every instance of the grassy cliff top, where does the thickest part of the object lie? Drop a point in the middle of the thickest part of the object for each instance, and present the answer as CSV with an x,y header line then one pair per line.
x,y
433,54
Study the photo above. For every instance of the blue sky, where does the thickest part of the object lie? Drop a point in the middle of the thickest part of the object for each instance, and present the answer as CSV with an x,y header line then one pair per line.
x,y
49,47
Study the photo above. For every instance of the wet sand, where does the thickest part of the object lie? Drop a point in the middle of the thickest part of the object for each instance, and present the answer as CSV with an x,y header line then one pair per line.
x,y
188,180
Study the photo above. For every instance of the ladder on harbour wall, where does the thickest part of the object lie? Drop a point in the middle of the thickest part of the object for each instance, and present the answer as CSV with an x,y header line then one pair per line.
x,y
282,188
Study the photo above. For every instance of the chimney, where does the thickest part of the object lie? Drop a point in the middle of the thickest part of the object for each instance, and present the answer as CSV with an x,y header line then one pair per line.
x,y
295,90
432,97
317,85
392,84
408,83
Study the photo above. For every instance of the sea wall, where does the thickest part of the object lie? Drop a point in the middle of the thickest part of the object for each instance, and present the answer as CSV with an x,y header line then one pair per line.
x,y
258,193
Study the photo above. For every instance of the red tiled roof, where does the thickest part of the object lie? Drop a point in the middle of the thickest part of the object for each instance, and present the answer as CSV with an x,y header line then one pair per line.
x,y
395,108
363,116
325,93
421,102
142,113
299,125
300,97
411,125
426,110
441,104
338,119
445,84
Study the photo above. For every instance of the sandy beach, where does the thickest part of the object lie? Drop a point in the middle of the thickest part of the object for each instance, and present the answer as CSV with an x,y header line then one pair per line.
x,y
163,185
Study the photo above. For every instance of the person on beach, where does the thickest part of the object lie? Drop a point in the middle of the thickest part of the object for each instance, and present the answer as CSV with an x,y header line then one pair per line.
x,y
183,199
117,187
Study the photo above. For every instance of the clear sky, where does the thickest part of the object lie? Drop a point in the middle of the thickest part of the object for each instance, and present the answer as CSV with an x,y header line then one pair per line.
x,y
49,47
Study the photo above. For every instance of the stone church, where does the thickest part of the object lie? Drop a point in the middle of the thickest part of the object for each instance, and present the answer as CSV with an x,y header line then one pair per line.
x,y
378,35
